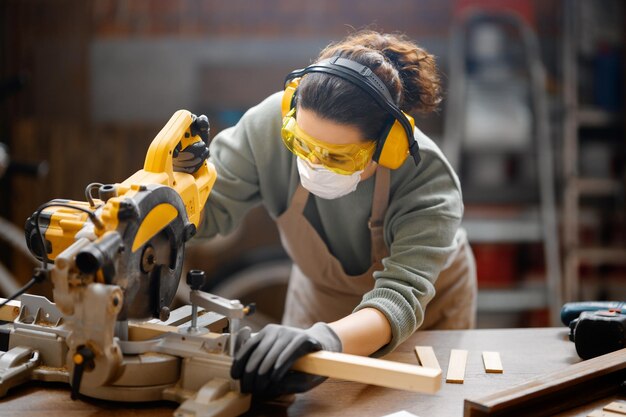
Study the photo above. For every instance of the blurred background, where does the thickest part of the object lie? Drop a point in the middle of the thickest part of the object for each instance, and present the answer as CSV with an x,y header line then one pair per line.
x,y
532,120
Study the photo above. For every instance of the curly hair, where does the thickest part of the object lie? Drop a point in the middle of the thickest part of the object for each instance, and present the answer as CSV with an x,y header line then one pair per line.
x,y
408,71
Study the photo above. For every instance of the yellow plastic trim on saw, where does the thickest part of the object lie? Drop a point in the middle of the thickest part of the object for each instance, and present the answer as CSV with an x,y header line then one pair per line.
x,y
159,217
159,156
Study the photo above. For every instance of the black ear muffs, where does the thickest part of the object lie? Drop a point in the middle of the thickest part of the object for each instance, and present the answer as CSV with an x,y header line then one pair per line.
x,y
396,141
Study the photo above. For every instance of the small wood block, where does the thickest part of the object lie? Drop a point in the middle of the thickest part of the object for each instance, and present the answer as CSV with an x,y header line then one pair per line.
x,y
456,366
493,364
602,413
618,407
402,413
426,356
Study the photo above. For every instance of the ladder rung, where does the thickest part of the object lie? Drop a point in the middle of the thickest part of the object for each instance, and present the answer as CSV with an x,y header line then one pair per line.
x,y
600,255
595,117
596,186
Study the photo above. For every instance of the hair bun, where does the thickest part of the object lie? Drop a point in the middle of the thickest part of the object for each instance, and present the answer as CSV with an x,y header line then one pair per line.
x,y
411,74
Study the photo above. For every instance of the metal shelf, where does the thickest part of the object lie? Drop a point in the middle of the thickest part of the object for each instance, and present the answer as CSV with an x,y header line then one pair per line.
x,y
503,230
596,186
516,299
595,117
581,116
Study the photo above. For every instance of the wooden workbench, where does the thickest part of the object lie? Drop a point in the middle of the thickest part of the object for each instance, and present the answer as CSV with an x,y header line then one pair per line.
x,y
525,353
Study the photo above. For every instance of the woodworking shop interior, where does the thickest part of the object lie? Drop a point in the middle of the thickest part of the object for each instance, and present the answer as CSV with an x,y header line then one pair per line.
x,y
531,120
86,85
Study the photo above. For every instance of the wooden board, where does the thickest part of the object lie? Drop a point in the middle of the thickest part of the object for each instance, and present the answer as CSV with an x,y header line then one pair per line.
x,y
616,407
372,371
492,362
603,413
546,395
456,366
426,357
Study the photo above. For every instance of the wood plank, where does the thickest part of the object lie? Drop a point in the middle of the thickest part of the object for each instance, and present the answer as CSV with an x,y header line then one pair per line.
x,y
456,366
550,393
10,311
372,371
145,331
493,363
426,357
603,413
616,407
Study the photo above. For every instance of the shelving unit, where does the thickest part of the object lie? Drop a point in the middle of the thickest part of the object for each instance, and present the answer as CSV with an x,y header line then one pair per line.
x,y
578,116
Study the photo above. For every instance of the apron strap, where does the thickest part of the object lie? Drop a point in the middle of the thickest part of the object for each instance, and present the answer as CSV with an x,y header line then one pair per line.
x,y
299,199
380,202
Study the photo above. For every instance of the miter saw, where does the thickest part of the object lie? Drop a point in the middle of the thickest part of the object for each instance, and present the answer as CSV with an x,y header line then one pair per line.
x,y
117,259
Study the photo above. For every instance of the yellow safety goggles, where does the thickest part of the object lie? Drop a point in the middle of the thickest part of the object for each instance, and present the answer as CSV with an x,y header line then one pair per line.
x,y
342,159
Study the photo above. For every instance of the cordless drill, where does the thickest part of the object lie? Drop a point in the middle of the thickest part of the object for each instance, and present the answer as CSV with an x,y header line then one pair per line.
x,y
596,328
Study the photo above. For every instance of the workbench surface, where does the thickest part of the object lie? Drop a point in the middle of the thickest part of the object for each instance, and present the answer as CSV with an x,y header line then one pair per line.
x,y
525,353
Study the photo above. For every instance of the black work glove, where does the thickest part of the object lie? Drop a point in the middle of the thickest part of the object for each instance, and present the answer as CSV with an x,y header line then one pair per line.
x,y
191,158
263,363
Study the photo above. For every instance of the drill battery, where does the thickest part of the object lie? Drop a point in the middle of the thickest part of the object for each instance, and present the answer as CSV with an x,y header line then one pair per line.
x,y
598,332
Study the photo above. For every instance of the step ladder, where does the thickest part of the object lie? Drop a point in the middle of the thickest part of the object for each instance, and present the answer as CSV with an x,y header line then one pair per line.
x,y
523,134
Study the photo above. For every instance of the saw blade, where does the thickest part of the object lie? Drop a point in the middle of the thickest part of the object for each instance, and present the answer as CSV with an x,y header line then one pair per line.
x,y
150,273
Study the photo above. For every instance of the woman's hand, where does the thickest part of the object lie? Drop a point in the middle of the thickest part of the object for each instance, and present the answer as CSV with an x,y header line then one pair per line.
x,y
191,158
263,363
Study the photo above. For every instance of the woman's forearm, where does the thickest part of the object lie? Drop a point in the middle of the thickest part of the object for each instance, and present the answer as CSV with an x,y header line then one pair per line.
x,y
364,332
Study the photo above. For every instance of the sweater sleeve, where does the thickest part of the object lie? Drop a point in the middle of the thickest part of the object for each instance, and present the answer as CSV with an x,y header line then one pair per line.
x,y
424,214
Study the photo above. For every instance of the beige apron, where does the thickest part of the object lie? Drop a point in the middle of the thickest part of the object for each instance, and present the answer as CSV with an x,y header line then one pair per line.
x,y
320,290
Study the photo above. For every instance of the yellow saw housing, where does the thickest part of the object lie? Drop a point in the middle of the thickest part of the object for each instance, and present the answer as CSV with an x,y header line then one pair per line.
x,y
61,224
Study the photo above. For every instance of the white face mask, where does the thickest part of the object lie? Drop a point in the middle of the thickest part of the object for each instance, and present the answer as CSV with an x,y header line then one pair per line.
x,y
325,183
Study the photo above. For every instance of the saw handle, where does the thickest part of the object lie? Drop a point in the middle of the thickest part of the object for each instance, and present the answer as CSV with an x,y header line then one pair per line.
x,y
161,151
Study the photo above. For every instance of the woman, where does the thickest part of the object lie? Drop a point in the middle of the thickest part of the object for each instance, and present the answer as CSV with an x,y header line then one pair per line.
x,y
374,234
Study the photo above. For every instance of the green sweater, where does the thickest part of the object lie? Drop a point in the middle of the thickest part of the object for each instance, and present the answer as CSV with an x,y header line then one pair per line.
x,y
425,210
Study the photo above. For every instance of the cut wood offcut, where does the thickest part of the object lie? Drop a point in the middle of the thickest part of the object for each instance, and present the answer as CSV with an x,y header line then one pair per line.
x,y
426,357
456,366
493,364
618,407
603,413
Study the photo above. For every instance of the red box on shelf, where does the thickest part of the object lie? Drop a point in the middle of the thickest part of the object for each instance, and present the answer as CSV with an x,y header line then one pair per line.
x,y
495,264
